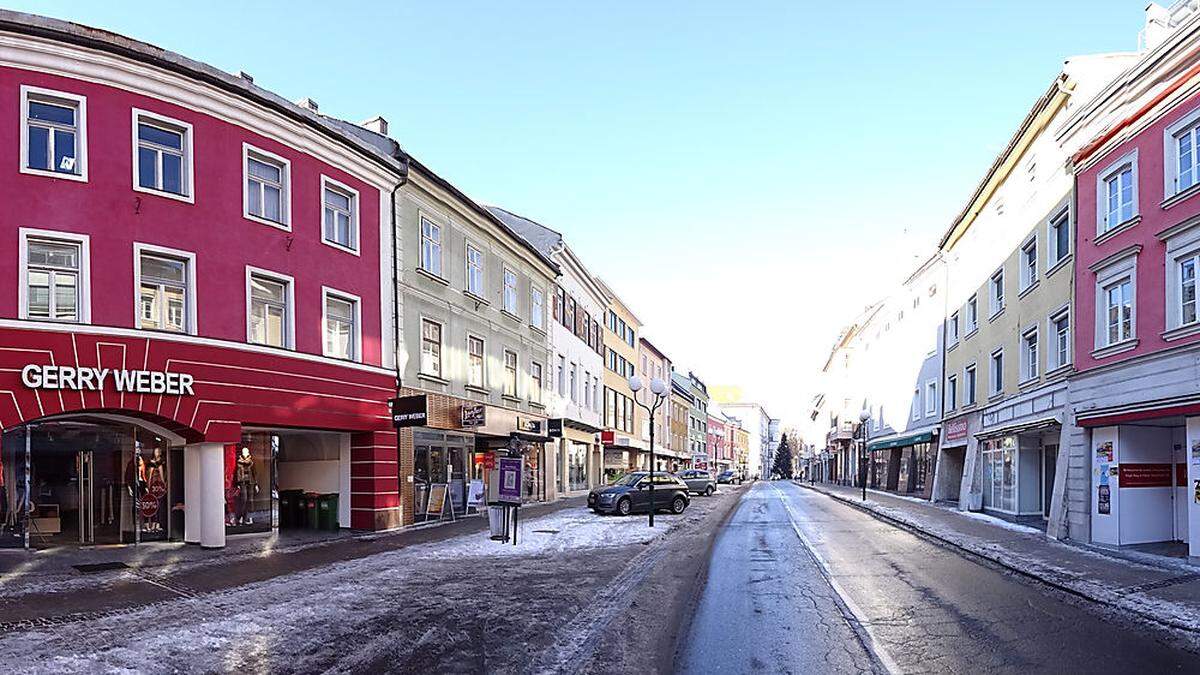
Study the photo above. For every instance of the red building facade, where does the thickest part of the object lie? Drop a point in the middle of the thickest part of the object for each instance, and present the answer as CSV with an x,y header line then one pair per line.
x,y
199,317
1135,434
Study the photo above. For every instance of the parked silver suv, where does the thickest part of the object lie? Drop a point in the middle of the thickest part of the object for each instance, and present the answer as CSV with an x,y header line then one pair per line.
x,y
700,482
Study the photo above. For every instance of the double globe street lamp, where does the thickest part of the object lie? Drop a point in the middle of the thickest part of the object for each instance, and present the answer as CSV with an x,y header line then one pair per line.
x,y
659,389
864,419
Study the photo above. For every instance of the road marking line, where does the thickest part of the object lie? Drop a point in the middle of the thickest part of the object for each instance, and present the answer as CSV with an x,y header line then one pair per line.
x,y
874,644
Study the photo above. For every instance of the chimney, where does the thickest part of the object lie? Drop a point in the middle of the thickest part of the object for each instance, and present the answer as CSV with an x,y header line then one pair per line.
x,y
1158,26
376,124
307,104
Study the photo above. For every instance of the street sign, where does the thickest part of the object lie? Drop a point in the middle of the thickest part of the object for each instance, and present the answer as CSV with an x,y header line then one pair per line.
x,y
474,415
410,411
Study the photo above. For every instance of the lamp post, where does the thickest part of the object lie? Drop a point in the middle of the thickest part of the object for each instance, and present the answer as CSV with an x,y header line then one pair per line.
x,y
659,389
864,419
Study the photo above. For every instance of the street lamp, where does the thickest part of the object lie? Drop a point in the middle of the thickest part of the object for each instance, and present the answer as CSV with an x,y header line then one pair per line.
x,y
864,418
659,389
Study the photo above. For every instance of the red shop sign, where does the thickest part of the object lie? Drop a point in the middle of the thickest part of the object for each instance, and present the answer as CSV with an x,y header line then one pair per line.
x,y
148,505
956,429
1146,475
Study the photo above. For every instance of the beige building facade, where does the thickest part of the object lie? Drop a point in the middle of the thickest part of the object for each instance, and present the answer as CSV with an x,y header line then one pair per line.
x,y
624,449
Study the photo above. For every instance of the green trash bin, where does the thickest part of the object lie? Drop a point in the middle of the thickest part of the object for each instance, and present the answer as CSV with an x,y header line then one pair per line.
x,y
310,510
327,512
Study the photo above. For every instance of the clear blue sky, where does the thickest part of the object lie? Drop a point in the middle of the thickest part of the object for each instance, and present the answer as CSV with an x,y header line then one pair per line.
x,y
745,175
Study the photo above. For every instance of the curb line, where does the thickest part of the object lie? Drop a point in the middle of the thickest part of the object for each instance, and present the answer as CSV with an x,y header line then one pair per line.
x,y
1189,631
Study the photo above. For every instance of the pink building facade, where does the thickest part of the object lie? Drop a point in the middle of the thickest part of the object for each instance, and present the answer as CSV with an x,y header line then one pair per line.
x,y
1132,465
198,324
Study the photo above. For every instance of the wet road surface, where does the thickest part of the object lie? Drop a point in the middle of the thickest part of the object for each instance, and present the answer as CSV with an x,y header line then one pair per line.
x,y
801,583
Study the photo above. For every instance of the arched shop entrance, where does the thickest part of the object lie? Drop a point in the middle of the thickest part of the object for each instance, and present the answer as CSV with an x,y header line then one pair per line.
x,y
90,479
103,479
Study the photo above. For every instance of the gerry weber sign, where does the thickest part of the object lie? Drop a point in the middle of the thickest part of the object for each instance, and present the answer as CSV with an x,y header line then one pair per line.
x,y
95,379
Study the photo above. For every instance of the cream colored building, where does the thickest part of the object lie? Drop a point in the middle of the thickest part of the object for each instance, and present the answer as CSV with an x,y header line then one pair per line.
x,y
623,419
1007,332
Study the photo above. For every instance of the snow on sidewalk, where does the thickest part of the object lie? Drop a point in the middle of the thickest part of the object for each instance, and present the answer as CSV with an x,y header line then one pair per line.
x,y
426,601
1149,592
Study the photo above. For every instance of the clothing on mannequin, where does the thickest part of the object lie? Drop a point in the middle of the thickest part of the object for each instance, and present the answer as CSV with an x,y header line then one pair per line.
x,y
246,479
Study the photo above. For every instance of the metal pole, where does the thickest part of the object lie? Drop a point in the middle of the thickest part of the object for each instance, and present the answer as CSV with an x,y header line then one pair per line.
x,y
652,411
866,435
28,498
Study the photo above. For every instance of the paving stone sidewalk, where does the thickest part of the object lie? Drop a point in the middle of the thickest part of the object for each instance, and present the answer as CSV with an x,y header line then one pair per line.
x,y
45,588
1164,592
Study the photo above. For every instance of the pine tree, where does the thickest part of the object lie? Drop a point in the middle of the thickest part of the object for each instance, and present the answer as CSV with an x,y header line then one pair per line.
x,y
783,459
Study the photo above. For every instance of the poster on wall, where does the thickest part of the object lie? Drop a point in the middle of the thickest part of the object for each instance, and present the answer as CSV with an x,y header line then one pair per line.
x,y
1103,503
1196,452
1104,452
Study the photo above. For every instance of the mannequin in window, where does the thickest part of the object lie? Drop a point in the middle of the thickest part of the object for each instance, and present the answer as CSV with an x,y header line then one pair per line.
x,y
246,479
155,467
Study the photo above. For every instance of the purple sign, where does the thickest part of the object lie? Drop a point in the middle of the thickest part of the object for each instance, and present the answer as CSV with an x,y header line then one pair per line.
x,y
509,491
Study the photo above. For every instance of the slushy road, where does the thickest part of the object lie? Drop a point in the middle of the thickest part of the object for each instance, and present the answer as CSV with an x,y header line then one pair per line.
x,y
799,582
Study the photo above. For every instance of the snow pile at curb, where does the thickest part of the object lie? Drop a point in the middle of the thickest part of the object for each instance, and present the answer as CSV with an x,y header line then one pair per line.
x,y
1182,616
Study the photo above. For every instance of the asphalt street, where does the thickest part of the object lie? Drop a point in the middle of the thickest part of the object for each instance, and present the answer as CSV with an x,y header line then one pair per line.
x,y
799,582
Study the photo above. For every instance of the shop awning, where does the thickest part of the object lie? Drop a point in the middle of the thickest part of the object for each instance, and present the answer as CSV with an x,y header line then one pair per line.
x,y
1020,427
900,441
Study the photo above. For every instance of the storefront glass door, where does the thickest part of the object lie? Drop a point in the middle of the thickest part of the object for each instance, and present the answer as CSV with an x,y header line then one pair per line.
x,y
90,482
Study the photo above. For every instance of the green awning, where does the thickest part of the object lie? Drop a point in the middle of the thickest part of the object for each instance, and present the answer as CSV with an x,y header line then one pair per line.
x,y
900,441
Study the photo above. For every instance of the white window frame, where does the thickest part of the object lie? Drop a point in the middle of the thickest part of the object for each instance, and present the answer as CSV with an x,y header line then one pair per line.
x,y
289,318
470,246
952,392
516,378
81,154
355,301
190,298
971,309
355,214
916,404
504,288
1188,123
537,308
1028,275
996,375
83,285
931,395
970,376
441,347
1129,159
1118,270
996,301
188,165
285,169
1181,245
1030,363
1052,355
954,329
422,263
483,369
1053,255
536,383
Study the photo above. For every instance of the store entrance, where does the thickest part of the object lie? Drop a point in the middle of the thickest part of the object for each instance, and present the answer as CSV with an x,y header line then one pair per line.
x,y
90,482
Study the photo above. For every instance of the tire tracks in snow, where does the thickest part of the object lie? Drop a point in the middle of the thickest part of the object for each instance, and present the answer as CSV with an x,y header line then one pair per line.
x,y
576,644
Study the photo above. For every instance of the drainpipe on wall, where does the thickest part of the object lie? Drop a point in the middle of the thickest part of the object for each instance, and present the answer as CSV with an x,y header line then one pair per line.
x,y
396,331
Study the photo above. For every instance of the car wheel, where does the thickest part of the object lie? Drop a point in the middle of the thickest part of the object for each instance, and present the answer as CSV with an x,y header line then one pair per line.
x,y
708,491
623,506
678,505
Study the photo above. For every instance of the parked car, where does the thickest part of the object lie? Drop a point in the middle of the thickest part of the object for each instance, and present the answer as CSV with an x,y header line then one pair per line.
x,y
631,494
700,482
727,477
